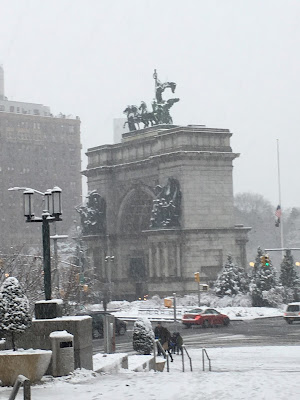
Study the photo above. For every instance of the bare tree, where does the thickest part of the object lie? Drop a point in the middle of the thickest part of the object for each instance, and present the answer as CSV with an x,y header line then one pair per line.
x,y
28,269
253,210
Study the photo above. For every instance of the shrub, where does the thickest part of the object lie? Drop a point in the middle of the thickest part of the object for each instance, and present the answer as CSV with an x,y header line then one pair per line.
x,y
143,336
14,309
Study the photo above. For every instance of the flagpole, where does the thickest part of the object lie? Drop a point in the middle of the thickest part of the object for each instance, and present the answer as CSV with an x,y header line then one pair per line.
x,y
279,196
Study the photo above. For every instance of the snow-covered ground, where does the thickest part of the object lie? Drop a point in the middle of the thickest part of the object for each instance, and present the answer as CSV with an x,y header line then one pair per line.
x,y
237,308
269,373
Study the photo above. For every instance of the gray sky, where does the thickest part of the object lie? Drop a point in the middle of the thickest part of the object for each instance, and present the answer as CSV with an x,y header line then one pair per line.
x,y
236,64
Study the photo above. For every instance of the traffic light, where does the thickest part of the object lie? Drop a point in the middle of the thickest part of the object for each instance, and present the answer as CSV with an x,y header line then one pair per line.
x,y
85,288
267,260
168,302
197,276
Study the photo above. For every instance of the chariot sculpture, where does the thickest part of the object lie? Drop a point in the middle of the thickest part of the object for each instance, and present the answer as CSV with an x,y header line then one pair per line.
x,y
160,113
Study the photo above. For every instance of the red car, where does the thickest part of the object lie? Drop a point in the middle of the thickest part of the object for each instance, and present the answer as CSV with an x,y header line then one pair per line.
x,y
204,317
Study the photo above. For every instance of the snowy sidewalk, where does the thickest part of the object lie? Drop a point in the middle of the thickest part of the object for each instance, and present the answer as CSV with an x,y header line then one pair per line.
x,y
262,373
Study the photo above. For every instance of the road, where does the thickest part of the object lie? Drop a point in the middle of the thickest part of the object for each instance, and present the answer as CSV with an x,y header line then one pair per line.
x,y
258,332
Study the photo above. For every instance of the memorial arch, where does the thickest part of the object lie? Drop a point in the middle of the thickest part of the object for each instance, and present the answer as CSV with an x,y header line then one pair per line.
x,y
190,226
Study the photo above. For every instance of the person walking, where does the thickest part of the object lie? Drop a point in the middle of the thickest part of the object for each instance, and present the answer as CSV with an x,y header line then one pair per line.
x,y
173,342
179,343
165,339
157,334
163,335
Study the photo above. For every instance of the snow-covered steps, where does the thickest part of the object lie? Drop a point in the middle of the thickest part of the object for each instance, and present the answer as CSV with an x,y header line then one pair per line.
x,y
112,363
140,363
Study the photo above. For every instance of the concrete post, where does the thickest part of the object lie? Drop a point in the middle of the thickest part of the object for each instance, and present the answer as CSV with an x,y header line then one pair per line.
x,y
109,334
174,305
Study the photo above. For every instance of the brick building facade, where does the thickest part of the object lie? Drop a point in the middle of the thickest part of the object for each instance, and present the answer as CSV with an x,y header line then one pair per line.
x,y
39,151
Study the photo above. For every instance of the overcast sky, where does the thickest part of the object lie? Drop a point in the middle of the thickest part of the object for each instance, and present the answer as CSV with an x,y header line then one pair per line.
x,y
236,64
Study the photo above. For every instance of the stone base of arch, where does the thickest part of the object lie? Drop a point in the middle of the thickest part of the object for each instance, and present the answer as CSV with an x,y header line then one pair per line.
x,y
163,261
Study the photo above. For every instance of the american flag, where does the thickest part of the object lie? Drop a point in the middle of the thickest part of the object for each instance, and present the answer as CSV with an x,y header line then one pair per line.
x,y
278,215
278,212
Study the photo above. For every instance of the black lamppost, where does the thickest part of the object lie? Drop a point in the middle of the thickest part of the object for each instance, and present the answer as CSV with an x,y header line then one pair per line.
x,y
52,212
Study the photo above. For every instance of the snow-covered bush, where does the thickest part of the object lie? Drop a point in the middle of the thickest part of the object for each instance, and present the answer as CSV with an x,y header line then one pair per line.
x,y
277,296
232,280
239,300
143,336
157,300
263,280
288,275
14,309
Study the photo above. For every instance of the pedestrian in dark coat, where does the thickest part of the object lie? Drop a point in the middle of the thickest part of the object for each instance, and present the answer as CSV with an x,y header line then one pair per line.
x,y
157,334
173,343
179,343
165,339
163,335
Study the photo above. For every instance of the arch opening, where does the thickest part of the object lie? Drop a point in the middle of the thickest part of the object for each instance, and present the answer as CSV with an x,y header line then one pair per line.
x,y
136,212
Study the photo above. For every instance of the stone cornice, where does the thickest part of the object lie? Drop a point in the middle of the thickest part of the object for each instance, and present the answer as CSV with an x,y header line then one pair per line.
x,y
163,157
198,230
172,231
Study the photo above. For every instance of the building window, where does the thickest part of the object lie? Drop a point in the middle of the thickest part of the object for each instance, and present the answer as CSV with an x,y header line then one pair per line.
x,y
2,107
11,108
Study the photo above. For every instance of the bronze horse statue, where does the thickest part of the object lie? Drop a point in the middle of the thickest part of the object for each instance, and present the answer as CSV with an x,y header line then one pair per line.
x,y
146,116
161,87
132,117
162,111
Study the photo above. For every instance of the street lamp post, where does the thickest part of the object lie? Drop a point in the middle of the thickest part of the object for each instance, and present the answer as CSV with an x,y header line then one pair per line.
x,y
46,254
52,212
107,291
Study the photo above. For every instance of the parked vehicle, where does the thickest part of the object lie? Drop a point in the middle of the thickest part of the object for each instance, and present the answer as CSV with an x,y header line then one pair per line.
x,y
292,313
98,323
205,317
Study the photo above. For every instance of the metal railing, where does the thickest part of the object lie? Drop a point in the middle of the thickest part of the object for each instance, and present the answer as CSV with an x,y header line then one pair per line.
x,y
182,355
204,353
157,344
21,379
